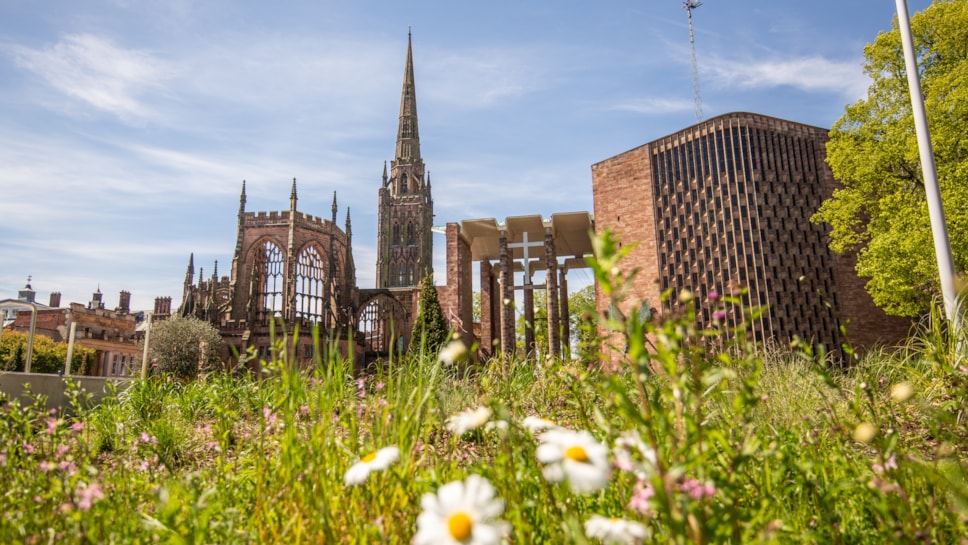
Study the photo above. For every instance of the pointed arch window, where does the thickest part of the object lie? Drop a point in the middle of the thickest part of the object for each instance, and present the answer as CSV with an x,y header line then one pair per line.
x,y
310,282
404,185
410,239
397,238
267,280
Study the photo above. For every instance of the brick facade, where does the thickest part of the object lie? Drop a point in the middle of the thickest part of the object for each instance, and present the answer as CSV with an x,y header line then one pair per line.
x,y
726,204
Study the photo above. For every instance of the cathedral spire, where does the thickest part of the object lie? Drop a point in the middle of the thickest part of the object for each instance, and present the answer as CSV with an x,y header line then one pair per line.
x,y
292,196
406,211
334,208
408,137
242,201
190,273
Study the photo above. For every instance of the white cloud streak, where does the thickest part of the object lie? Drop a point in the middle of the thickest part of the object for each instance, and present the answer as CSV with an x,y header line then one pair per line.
x,y
810,74
96,71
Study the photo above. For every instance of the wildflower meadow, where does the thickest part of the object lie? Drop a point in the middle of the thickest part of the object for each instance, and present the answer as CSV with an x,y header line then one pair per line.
x,y
700,436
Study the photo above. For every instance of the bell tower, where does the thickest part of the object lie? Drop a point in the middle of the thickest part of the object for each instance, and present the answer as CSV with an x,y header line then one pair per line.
x,y
406,208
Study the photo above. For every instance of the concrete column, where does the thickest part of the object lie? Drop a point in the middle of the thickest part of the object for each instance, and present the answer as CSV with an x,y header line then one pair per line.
x,y
507,297
551,285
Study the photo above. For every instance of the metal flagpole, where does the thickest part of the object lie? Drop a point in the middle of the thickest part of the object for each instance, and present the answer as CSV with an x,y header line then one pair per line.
x,y
939,228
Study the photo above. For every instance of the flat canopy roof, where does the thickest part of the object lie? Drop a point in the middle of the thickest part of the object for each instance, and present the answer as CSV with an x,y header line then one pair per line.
x,y
570,231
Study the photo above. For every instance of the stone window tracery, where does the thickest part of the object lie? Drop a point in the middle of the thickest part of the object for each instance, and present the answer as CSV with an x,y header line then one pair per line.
x,y
310,281
267,277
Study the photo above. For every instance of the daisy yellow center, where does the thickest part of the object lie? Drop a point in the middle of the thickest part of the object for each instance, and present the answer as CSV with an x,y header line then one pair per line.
x,y
576,453
460,525
369,457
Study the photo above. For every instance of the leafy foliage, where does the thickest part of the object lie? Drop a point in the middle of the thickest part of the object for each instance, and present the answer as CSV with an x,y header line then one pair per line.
x,y
176,345
881,210
430,328
48,357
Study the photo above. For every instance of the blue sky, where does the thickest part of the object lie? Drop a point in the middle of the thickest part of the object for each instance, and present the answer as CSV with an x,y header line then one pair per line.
x,y
128,127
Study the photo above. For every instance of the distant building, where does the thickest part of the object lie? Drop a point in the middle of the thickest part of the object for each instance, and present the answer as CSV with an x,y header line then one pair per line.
x,y
726,204
112,334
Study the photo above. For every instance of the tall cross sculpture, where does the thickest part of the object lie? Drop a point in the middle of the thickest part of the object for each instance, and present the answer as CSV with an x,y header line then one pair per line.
x,y
524,245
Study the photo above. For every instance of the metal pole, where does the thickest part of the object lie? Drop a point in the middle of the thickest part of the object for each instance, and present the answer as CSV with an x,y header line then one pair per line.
x,y
939,228
30,338
144,355
70,349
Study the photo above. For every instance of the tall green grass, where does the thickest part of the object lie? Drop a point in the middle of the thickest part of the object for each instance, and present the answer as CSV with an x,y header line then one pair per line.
x,y
710,438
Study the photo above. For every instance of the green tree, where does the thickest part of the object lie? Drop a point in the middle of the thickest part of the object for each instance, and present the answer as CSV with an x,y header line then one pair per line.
x,y
48,357
881,211
430,327
177,345
584,332
581,308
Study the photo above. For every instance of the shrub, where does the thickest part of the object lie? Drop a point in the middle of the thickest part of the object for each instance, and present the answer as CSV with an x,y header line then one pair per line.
x,y
430,328
176,345
49,356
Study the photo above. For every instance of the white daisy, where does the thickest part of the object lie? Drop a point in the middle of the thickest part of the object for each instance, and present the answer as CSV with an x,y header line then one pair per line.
x,y
536,424
453,352
461,513
374,461
496,425
468,420
576,457
616,531
633,455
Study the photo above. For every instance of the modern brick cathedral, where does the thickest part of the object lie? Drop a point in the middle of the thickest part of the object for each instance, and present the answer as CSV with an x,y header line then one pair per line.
x,y
725,204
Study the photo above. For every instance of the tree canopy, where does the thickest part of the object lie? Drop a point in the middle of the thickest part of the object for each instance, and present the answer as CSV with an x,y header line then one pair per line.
x,y
881,209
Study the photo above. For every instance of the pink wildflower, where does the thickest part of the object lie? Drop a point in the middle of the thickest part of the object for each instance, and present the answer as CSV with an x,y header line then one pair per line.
x,y
51,426
269,416
640,498
28,448
62,451
88,495
379,386
77,426
698,490
890,463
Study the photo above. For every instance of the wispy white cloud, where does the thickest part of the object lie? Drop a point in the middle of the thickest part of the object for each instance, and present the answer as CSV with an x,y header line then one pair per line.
x,y
98,72
811,74
481,78
654,106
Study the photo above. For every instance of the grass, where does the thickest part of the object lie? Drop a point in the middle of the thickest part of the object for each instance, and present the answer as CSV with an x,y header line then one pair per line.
x,y
727,445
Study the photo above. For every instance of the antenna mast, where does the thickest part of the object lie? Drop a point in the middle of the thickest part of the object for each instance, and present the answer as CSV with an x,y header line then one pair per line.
x,y
690,5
